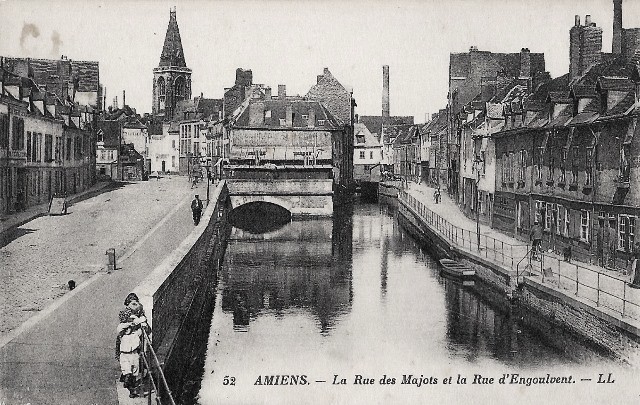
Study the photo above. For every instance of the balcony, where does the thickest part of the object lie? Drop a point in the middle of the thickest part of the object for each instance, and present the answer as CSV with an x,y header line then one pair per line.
x,y
17,154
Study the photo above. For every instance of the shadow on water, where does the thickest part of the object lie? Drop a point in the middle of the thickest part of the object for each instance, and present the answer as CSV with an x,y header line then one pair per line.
x,y
259,217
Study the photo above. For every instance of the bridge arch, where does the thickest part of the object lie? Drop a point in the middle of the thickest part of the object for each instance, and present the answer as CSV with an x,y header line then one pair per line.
x,y
239,201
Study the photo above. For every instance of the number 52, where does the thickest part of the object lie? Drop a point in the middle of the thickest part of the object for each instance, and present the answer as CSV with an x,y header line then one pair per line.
x,y
228,380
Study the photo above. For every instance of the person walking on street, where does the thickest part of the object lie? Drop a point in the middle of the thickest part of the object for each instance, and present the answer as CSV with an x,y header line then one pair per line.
x,y
536,238
196,209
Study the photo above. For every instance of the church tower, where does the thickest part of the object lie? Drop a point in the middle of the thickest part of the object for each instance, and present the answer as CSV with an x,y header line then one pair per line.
x,y
172,77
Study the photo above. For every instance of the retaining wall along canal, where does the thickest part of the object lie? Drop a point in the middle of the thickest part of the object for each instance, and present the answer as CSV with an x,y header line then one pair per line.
x,y
178,296
607,331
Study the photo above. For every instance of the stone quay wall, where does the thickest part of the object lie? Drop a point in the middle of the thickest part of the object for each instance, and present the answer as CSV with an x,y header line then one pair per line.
x,y
179,294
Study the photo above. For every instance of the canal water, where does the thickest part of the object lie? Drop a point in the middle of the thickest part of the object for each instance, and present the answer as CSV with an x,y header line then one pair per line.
x,y
356,300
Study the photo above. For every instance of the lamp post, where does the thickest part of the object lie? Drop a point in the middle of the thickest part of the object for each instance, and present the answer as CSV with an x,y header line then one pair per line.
x,y
208,167
477,161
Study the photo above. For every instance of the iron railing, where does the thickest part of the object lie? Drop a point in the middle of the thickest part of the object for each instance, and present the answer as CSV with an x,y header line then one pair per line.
x,y
603,289
156,380
492,249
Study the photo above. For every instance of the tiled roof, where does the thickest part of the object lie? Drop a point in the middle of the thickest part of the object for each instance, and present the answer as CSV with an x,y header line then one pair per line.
x,y
583,90
172,53
278,111
623,105
558,84
363,137
583,118
374,122
563,117
402,134
615,83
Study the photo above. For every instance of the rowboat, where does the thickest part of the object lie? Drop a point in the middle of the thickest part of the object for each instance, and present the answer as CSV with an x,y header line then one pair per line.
x,y
455,268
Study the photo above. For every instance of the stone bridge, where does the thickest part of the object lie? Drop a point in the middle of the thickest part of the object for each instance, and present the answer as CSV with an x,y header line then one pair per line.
x,y
301,197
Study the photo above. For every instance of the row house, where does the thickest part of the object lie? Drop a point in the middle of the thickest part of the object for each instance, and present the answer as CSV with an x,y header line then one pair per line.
x,y
470,74
492,110
573,162
572,166
431,133
47,140
405,151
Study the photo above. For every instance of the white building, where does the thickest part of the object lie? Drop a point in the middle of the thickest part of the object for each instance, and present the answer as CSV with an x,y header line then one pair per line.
x,y
163,150
367,154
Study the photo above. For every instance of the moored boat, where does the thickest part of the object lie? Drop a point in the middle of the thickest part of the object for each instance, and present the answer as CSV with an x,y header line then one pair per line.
x,y
455,268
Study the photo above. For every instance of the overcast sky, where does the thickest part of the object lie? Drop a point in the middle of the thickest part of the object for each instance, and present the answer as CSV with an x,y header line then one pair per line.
x,y
290,42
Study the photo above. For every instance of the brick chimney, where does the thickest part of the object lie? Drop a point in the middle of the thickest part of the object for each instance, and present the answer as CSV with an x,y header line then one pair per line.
x,y
289,117
585,47
267,93
256,113
525,62
616,47
244,77
312,118
282,91
385,94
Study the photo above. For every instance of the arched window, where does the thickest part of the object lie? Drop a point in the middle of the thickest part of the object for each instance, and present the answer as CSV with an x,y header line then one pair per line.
x,y
179,88
161,87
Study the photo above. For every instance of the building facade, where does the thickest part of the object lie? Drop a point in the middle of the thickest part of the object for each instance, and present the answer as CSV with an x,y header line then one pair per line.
x,y
572,162
47,138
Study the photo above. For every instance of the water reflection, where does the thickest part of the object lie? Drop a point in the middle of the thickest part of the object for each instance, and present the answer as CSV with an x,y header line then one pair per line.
x,y
302,265
353,294
251,217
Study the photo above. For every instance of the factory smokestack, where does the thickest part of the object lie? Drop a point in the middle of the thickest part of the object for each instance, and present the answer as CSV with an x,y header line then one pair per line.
x,y
616,47
385,94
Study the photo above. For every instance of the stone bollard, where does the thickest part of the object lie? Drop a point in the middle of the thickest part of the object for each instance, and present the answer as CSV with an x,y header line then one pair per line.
x,y
111,260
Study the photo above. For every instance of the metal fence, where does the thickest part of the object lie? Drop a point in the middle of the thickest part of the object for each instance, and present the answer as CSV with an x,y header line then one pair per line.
x,y
603,289
490,248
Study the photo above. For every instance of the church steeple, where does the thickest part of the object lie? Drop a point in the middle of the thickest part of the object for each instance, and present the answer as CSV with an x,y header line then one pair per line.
x,y
172,77
172,54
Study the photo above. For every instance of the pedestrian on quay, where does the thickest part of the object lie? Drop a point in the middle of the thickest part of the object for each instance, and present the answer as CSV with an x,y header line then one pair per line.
x,y
611,240
196,209
436,196
536,238
129,343
635,270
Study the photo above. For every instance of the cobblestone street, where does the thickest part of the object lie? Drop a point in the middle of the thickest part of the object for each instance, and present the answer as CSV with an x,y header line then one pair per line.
x,y
49,251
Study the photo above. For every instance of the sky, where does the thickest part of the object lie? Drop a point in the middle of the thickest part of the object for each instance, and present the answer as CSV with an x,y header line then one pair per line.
x,y
290,42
